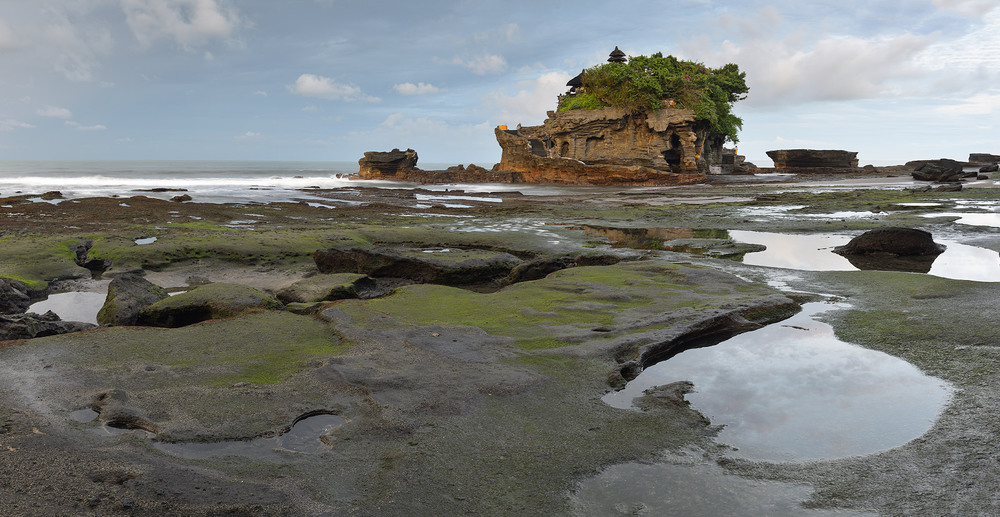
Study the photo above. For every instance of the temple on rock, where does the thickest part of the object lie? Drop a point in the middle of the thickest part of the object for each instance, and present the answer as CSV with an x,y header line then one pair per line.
x,y
593,139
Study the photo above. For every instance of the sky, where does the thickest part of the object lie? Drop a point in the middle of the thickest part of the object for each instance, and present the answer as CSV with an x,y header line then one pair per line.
x,y
327,80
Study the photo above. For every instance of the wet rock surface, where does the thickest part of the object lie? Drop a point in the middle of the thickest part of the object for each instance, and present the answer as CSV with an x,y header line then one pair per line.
x,y
893,241
449,267
14,297
444,390
31,325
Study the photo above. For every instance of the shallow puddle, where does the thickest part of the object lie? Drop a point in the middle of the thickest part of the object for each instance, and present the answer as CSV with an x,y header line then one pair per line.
x,y
303,437
75,306
805,252
691,489
792,391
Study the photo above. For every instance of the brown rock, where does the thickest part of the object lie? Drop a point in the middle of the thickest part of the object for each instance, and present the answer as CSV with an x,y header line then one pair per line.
x,y
386,165
610,146
813,158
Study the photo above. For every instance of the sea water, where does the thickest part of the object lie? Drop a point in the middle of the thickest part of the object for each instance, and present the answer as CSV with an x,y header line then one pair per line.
x,y
224,181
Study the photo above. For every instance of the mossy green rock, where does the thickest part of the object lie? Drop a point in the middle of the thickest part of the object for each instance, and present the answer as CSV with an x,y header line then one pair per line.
x,y
322,287
127,295
212,301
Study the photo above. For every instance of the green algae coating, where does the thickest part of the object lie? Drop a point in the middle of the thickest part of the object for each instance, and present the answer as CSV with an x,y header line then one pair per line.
x,y
567,302
261,348
211,301
37,260
318,288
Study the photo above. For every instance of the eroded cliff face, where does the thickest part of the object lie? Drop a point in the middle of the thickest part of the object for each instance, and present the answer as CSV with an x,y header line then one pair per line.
x,y
611,146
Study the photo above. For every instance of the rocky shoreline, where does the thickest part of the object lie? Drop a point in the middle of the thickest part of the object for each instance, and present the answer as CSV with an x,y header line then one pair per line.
x,y
465,343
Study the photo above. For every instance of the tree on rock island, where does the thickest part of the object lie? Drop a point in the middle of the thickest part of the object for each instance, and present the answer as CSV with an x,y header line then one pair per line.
x,y
658,81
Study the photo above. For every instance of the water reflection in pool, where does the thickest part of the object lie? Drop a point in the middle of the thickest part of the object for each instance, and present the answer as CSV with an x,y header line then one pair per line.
x,y
793,391
682,485
804,252
304,437
74,306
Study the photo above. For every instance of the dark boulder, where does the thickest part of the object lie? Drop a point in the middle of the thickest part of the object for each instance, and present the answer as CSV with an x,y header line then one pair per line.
x,y
983,158
14,298
993,167
385,165
448,267
811,158
31,325
212,301
892,241
941,171
127,295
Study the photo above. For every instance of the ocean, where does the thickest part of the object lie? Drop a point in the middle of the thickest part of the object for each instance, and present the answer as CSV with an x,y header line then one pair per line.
x,y
220,181
205,181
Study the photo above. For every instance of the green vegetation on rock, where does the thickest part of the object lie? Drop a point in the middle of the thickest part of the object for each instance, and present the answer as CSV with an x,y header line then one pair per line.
x,y
644,83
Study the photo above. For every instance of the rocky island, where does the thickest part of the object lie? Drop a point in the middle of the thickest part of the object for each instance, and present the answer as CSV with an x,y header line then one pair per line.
x,y
650,120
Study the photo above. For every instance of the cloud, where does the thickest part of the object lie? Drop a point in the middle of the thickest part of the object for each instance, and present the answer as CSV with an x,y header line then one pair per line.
x,y
978,104
532,100
8,40
54,112
416,89
78,45
249,135
190,23
81,127
310,85
485,64
9,125
260,93
966,7
509,32
795,68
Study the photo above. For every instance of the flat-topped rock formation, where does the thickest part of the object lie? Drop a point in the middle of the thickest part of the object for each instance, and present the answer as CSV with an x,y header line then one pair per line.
x,y
612,146
813,158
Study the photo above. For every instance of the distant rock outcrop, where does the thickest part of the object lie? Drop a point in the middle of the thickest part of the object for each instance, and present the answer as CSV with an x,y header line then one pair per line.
x,y
983,158
940,171
611,146
813,158
387,165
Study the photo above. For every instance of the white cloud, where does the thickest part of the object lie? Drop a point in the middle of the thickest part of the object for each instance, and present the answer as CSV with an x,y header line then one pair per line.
x,y
310,85
260,93
81,127
249,135
483,65
967,7
54,112
795,68
978,104
190,23
416,89
533,99
9,124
